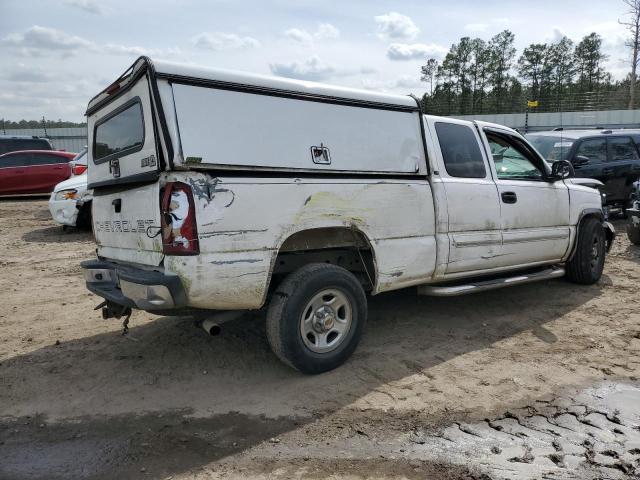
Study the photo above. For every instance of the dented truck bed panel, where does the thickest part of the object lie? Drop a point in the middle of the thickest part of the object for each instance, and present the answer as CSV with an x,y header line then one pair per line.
x,y
244,222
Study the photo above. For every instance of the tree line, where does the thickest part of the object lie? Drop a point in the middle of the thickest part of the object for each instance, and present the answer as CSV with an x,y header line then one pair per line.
x,y
24,124
478,76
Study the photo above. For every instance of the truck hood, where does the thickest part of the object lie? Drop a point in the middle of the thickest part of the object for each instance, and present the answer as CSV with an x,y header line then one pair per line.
x,y
79,182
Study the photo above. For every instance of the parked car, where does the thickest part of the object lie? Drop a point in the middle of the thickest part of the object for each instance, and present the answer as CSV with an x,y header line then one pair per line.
x,y
70,202
14,143
611,156
366,195
79,162
33,171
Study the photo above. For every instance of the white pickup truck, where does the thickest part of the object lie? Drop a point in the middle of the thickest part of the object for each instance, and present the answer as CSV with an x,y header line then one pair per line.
x,y
224,191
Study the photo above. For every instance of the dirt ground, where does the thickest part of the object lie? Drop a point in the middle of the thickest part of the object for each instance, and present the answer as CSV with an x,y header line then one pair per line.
x,y
536,381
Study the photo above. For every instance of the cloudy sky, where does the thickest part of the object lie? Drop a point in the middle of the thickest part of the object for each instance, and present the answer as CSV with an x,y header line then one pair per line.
x,y
56,54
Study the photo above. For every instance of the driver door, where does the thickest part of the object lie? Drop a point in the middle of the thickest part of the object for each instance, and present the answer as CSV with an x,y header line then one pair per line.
x,y
534,212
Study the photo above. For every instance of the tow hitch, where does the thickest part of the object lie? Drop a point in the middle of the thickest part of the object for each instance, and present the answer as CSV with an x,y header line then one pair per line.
x,y
114,310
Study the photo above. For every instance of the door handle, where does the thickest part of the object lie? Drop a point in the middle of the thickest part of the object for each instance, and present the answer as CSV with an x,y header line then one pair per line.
x,y
509,197
117,205
607,171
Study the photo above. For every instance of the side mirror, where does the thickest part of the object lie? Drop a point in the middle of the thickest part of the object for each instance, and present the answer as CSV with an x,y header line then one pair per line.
x,y
562,169
580,160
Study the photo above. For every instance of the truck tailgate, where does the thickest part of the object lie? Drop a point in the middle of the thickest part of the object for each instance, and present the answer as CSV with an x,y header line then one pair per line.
x,y
126,224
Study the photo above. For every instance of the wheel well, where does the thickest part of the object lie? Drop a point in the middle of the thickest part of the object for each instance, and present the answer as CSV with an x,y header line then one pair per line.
x,y
84,216
345,247
598,215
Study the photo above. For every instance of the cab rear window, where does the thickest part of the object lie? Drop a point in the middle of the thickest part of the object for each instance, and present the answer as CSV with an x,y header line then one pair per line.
x,y
121,133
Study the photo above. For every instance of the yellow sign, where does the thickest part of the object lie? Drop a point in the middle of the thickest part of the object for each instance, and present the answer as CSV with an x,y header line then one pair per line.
x,y
532,103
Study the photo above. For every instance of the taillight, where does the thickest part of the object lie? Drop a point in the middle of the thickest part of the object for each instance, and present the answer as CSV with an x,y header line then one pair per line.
x,y
78,169
179,231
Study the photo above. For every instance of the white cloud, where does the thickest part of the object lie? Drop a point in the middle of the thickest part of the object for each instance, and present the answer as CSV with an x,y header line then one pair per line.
x,y
325,31
89,6
555,36
311,69
223,41
135,51
402,83
395,25
415,51
298,35
37,39
316,70
23,73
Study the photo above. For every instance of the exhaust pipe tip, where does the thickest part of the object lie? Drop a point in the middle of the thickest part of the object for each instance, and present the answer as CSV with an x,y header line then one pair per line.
x,y
211,327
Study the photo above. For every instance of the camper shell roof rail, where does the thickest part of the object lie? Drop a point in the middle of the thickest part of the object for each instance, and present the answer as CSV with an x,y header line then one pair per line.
x,y
251,83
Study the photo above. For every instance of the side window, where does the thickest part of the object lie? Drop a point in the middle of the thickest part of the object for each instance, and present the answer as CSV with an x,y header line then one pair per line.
x,y
512,159
34,144
460,151
119,134
17,160
595,149
622,148
47,159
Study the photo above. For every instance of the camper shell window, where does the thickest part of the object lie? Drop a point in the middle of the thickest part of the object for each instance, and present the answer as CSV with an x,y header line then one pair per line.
x,y
120,133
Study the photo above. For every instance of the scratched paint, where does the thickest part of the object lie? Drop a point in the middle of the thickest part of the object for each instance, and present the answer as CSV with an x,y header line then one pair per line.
x,y
240,242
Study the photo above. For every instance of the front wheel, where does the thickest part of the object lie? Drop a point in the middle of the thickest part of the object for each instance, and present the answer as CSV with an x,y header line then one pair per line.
x,y
587,263
633,232
316,318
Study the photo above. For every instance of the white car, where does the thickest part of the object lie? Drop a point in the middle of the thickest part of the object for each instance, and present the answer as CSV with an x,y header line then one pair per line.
x,y
70,202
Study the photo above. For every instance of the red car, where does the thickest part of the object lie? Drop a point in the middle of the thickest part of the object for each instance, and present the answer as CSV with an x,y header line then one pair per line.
x,y
33,171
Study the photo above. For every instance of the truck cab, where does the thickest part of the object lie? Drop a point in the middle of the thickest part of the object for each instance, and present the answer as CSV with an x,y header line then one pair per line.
x,y
202,206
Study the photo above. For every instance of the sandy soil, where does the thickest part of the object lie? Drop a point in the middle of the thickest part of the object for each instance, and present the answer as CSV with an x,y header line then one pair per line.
x,y
78,400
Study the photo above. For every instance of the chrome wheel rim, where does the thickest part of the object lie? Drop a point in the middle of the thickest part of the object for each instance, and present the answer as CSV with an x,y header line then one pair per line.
x,y
326,320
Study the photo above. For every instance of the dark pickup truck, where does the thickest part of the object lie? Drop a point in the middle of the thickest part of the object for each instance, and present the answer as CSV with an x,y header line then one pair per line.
x,y
611,156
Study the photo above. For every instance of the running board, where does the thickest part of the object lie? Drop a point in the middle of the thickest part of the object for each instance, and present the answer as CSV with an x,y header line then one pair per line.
x,y
453,290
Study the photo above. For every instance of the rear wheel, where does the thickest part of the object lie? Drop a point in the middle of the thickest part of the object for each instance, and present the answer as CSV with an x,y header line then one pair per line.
x,y
316,317
587,263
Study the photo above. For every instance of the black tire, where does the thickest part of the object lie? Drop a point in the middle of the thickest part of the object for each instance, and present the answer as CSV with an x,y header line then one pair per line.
x,y
633,233
287,307
585,267
83,220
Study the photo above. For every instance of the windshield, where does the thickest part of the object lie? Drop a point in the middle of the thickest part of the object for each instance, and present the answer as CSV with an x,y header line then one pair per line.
x,y
551,148
81,158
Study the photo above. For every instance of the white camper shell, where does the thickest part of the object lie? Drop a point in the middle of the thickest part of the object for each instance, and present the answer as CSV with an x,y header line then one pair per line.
x,y
216,119
217,190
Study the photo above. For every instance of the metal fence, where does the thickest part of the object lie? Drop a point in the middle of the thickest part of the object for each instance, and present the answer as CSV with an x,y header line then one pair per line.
x,y
69,139
539,121
483,103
